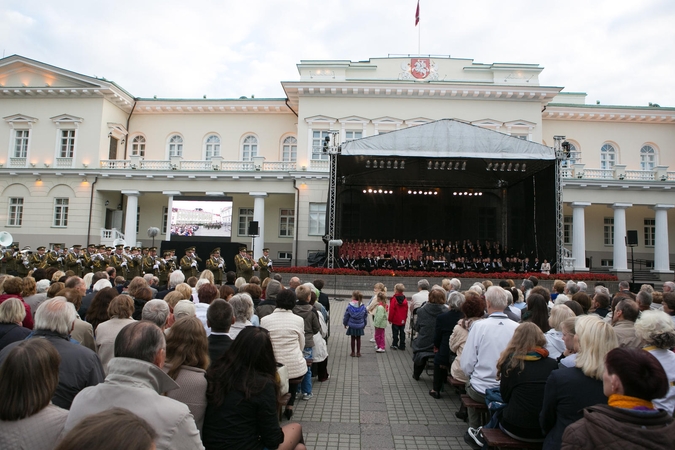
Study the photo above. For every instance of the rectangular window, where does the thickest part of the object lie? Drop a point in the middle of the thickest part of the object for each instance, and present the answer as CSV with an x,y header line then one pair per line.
x,y
607,262
352,135
61,212
245,217
21,143
67,143
286,223
318,141
317,219
650,232
567,229
609,231
15,216
165,218
285,255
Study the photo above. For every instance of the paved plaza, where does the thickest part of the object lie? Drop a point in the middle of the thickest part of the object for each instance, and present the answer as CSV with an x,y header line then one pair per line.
x,y
373,401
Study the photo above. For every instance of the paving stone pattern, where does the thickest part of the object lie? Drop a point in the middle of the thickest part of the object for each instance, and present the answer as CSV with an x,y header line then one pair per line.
x,y
373,402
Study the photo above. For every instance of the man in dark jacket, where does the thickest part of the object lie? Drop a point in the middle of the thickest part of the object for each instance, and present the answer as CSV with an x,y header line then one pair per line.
x,y
219,317
312,326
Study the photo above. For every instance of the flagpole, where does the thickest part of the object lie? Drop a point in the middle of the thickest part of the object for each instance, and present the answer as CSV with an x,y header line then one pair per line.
x,y
419,34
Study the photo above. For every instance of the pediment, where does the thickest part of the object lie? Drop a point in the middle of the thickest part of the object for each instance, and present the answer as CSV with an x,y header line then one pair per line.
x,y
488,123
324,119
19,72
354,119
520,124
17,118
66,118
387,119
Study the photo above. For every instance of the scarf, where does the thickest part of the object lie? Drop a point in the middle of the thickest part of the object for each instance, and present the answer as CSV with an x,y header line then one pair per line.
x,y
626,402
534,355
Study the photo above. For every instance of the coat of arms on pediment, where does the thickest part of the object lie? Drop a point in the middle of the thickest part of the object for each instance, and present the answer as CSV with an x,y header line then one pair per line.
x,y
419,69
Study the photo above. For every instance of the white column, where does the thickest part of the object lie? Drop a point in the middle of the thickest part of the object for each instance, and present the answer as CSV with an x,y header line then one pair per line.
x,y
131,215
579,236
620,258
661,249
171,195
259,216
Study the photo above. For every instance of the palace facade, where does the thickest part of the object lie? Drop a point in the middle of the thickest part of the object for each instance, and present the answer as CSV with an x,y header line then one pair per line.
x,y
83,160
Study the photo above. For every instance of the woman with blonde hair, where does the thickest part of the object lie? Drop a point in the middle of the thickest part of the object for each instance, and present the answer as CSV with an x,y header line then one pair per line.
x,y
185,290
554,340
187,358
570,390
12,314
28,419
207,275
657,332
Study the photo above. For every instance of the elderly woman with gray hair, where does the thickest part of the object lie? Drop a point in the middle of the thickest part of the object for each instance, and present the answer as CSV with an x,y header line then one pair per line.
x,y
443,358
242,309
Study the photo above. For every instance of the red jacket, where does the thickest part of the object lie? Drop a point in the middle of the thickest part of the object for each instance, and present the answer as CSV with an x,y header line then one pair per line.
x,y
398,310
28,321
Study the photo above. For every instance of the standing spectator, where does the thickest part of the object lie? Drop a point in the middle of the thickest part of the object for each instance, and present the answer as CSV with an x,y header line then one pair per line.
x,y
485,342
371,304
425,326
219,318
311,327
623,321
418,299
136,382
28,379
120,310
380,321
445,324
80,367
569,390
323,298
398,314
354,321
12,314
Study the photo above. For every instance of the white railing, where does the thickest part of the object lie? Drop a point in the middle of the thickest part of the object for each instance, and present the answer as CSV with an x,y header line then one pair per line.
x,y
110,236
599,173
237,166
567,172
568,260
114,164
642,175
319,165
17,162
63,163
155,165
280,166
196,165
671,176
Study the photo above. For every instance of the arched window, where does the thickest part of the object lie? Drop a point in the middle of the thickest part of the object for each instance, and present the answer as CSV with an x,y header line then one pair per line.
x,y
647,157
607,157
289,150
249,148
212,146
138,146
175,145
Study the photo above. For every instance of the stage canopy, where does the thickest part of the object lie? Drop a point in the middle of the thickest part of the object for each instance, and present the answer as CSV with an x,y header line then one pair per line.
x,y
448,180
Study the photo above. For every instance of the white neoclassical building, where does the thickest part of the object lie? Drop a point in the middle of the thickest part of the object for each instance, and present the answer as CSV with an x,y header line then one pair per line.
x,y
82,160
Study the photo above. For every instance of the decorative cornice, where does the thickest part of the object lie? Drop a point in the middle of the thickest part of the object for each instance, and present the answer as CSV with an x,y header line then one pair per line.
x,y
597,113
208,106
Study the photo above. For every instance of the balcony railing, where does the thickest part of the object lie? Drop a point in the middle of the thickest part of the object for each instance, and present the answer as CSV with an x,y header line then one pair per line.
x,y
642,175
209,165
17,162
605,174
64,163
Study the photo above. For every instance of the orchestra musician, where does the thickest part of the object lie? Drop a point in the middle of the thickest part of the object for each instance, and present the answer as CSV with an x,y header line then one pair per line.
x,y
217,265
119,261
265,264
38,260
244,264
189,264
55,257
74,260
135,264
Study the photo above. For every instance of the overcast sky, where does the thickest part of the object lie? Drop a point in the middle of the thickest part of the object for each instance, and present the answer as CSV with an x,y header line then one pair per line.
x,y
619,52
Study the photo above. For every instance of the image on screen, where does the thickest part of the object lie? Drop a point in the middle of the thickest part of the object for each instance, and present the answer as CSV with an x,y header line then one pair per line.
x,y
200,218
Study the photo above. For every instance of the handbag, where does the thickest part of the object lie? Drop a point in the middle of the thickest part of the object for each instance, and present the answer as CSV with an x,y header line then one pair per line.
x,y
493,399
282,378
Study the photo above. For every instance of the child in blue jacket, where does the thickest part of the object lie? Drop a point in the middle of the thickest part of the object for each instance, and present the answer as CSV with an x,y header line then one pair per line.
x,y
355,321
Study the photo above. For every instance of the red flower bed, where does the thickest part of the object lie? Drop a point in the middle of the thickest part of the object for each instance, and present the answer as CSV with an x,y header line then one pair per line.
x,y
581,276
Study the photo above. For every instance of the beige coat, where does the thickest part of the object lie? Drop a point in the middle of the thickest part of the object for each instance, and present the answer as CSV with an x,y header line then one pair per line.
x,y
625,334
84,334
457,341
41,431
106,333
287,332
192,391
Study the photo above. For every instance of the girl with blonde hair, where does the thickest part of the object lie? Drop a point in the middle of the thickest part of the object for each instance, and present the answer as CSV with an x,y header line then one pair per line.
x,y
554,339
371,305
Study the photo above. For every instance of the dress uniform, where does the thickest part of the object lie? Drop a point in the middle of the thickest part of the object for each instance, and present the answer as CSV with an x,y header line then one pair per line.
x,y
265,264
189,264
216,264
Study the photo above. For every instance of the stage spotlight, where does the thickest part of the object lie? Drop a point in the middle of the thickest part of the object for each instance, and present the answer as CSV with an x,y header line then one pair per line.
x,y
380,191
515,168
388,164
368,164
523,169
391,192
382,164
460,193
466,193
395,164
457,165
429,165
480,193
402,164
436,165
370,191
409,192
454,193
443,165
364,191
463,165
436,193
508,169
489,166
503,167
414,192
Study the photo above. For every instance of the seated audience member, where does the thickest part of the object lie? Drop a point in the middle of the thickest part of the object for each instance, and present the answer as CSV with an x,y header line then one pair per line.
x,y
632,379
31,296
268,305
601,304
207,293
184,308
575,307
644,300
28,378
473,309
177,277
242,308
187,359
568,357
254,291
98,310
220,319
669,304
136,382
120,310
141,295
12,314
92,289
13,287
582,299
242,398
486,340
425,326
226,292
554,337
82,332
80,367
185,290
114,429
656,330
445,324
522,370
623,321
569,390
558,288
157,312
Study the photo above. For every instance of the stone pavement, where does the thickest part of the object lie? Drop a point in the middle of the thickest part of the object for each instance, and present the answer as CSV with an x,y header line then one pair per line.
x,y
373,401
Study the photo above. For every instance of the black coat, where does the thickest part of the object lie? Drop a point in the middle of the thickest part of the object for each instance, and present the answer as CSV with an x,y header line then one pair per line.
x,y
218,345
11,332
445,323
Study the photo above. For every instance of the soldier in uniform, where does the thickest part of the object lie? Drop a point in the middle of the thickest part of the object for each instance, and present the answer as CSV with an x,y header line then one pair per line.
x,y
99,260
135,264
74,261
55,257
265,264
119,261
9,260
189,264
216,264
23,262
86,258
244,264
38,260
150,262
165,269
